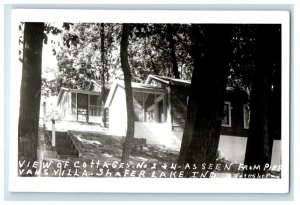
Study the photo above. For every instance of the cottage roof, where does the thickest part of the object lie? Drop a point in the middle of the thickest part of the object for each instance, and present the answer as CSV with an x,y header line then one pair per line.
x,y
168,80
63,89
88,91
186,83
137,87
99,84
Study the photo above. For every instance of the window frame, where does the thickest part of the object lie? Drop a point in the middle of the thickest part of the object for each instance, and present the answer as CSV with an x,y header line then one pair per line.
x,y
229,115
95,107
244,116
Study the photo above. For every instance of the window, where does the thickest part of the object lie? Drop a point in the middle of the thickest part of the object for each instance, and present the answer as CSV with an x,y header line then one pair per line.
x,y
149,107
226,122
95,105
246,114
82,107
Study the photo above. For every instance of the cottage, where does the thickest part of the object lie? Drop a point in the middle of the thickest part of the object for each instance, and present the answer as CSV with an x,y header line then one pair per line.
x,y
150,112
160,111
82,105
160,106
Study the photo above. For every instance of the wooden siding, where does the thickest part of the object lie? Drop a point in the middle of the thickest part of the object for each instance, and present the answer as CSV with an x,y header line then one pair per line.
x,y
138,106
178,98
118,113
65,105
95,88
237,100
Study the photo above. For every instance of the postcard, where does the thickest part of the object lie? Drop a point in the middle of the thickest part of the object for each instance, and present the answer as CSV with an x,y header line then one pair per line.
x,y
149,101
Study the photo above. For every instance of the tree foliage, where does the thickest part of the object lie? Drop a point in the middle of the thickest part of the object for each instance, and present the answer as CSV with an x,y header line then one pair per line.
x,y
150,52
78,55
160,45
243,62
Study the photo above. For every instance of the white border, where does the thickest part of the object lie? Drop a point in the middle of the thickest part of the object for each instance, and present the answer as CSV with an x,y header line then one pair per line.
x,y
147,185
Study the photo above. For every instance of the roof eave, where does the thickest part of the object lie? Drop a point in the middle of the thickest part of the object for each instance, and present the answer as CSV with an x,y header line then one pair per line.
x,y
150,77
111,94
62,89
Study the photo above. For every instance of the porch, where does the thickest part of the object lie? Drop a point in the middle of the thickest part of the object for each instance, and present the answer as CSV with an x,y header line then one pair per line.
x,y
80,105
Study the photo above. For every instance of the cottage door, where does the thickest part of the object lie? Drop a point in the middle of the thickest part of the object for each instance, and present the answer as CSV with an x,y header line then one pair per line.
x,y
160,106
82,107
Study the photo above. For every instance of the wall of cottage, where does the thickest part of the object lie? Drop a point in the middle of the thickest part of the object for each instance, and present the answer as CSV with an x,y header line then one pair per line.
x,y
179,98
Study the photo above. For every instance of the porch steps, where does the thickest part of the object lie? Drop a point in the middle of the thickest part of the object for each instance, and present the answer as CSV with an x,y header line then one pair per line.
x,y
64,146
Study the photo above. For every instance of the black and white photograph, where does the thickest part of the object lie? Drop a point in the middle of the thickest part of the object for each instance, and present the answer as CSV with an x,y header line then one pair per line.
x,y
151,100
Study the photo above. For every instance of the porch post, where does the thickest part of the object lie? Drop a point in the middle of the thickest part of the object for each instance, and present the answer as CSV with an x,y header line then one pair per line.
x,y
53,133
156,117
169,107
44,114
88,108
165,108
76,108
144,116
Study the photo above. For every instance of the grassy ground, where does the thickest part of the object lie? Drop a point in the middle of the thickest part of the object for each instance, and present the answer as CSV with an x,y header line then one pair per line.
x,y
111,149
101,156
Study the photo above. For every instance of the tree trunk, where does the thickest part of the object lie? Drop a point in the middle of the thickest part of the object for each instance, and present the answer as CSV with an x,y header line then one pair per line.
x,y
103,74
128,91
206,102
275,118
30,94
172,48
260,137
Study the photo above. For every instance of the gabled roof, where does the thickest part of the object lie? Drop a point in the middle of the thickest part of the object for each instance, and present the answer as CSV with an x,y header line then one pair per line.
x,y
186,83
62,90
99,84
136,87
168,80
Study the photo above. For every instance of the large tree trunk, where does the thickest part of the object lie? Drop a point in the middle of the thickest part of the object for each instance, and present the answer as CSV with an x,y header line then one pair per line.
x,y
275,118
173,53
128,91
260,135
30,93
206,102
103,74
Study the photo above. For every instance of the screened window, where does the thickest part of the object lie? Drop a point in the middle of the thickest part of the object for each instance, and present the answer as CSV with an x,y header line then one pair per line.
x,y
82,107
95,105
82,100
